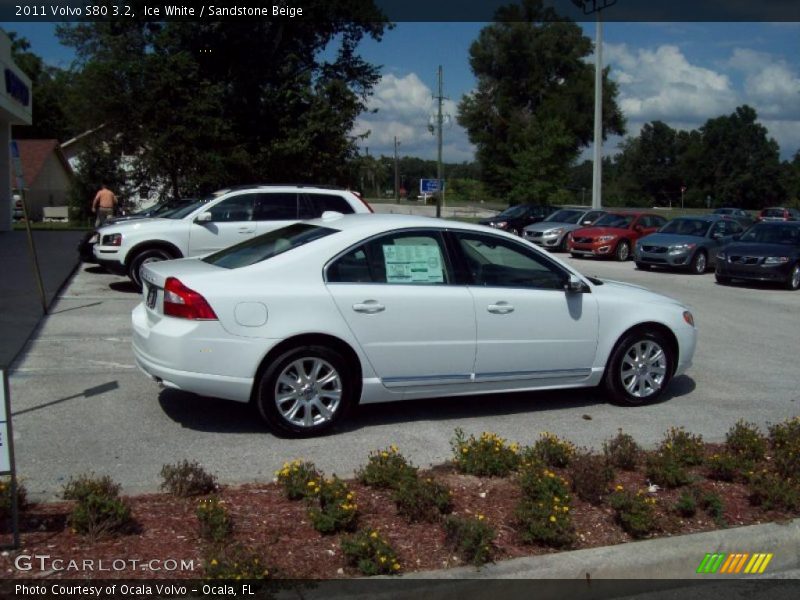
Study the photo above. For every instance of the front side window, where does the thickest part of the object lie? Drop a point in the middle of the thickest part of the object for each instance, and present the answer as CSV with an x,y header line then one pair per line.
x,y
237,208
498,262
268,245
398,258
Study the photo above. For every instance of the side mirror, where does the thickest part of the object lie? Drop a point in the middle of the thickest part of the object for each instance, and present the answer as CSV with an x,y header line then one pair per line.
x,y
203,217
574,285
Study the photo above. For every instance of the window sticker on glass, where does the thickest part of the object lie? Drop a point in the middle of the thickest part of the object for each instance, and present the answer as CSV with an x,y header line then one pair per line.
x,y
413,264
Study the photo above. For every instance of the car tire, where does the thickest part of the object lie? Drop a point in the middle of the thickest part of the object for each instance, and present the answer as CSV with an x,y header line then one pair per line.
x,y
699,263
640,368
623,251
575,255
722,279
562,245
643,266
142,258
324,394
793,282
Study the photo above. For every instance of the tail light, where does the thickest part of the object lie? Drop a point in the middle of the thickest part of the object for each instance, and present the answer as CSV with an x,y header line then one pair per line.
x,y
185,303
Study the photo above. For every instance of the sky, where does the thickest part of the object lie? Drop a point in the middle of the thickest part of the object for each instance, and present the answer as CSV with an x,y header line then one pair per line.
x,y
680,73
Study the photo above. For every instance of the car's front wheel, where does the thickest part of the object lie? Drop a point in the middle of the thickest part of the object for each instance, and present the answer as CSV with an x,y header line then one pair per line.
x,y
143,258
699,263
793,282
305,391
640,368
623,251
643,266
722,279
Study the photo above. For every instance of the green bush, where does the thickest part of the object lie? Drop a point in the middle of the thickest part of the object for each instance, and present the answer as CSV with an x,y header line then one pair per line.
x,y
635,511
713,505
774,492
187,479
726,466
215,523
486,456
686,506
664,468
552,450
746,441
98,516
422,499
591,475
386,469
472,538
623,452
89,484
299,479
370,553
6,497
543,512
785,440
686,448
235,563
334,507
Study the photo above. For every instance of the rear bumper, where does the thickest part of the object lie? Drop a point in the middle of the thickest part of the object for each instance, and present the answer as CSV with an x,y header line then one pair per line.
x,y
196,356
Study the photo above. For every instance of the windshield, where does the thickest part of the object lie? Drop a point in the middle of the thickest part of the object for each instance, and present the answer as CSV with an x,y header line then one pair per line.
x,y
565,216
773,234
268,245
696,227
612,220
512,212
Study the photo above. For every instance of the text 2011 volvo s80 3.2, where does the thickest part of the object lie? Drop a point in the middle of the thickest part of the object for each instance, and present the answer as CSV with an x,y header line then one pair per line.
x,y
309,320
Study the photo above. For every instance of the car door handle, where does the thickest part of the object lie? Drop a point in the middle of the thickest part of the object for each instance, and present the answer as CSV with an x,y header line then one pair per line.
x,y
246,229
501,308
369,307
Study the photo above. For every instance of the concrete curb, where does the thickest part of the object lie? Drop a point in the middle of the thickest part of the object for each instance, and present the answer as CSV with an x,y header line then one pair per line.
x,y
663,558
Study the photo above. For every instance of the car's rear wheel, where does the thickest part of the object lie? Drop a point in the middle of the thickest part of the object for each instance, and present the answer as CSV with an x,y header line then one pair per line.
x,y
305,391
143,258
643,266
699,263
640,368
793,282
623,251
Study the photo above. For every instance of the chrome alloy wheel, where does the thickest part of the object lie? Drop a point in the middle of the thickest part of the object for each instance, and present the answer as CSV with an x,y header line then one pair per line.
x,y
308,392
643,369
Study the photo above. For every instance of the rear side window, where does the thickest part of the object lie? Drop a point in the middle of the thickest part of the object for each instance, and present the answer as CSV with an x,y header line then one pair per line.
x,y
319,203
278,206
268,245
397,258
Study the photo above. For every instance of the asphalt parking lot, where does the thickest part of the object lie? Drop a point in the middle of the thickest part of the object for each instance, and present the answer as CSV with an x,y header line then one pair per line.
x,y
80,404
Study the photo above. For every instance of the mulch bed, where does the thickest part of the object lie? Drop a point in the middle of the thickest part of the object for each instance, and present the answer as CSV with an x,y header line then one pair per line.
x,y
280,530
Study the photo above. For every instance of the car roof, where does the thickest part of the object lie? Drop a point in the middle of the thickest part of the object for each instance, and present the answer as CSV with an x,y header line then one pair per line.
x,y
369,223
267,186
704,217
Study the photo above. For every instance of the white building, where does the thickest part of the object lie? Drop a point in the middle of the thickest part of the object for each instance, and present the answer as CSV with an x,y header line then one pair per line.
x,y
16,104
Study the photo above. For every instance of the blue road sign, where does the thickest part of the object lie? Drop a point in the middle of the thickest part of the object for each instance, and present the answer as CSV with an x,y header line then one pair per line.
x,y
430,186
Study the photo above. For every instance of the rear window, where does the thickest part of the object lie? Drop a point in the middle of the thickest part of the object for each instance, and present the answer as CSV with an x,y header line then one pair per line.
x,y
268,245
772,212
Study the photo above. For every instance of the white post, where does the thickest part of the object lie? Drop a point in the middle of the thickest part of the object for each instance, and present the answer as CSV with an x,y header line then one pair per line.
x,y
597,171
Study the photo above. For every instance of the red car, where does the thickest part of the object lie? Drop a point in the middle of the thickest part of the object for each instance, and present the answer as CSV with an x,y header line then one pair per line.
x,y
779,213
614,234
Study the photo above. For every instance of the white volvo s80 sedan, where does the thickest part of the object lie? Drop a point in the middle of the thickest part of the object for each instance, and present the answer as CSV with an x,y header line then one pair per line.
x,y
311,319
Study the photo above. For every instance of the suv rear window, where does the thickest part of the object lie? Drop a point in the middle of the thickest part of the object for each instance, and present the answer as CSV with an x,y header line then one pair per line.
x,y
324,202
268,245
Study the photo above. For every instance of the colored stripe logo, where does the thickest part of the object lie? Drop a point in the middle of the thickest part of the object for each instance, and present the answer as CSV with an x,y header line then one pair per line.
x,y
735,563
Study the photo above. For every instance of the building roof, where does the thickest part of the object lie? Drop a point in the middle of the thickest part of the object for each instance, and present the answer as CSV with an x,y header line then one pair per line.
x,y
33,154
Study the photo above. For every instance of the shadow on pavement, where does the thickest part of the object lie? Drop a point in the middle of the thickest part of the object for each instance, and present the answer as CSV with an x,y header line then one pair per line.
x,y
126,287
206,414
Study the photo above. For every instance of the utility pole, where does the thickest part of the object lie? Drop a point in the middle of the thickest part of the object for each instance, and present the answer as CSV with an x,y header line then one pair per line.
x,y
588,7
439,174
396,174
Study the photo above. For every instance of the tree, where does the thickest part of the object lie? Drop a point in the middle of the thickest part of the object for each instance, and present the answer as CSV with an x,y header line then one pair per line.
x,y
206,104
50,88
741,164
532,110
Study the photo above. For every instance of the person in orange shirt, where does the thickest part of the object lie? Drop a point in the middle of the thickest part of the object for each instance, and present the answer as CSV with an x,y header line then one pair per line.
x,y
103,205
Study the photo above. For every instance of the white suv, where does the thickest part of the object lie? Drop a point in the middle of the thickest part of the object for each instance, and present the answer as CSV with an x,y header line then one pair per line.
x,y
217,221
